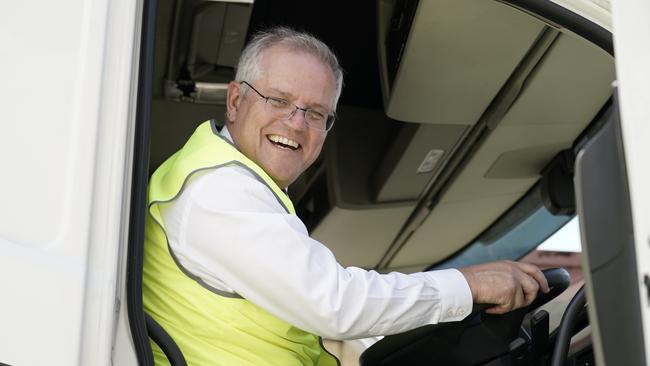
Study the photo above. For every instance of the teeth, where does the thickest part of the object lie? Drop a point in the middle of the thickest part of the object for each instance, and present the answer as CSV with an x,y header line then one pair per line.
x,y
283,140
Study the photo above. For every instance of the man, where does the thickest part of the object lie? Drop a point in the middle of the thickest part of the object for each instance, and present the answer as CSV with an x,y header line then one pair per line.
x,y
231,272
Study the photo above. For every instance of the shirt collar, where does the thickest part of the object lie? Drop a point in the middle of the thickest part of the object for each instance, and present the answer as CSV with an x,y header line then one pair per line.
x,y
226,134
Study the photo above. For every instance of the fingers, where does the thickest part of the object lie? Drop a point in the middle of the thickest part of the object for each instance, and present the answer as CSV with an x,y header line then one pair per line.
x,y
506,284
530,288
537,274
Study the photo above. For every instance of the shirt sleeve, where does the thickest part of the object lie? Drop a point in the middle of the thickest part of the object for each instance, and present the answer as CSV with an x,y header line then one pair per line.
x,y
230,230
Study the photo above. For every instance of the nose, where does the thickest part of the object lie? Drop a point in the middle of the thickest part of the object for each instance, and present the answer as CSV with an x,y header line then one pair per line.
x,y
297,119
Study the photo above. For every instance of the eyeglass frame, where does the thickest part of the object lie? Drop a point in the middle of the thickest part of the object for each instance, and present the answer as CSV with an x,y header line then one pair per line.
x,y
328,116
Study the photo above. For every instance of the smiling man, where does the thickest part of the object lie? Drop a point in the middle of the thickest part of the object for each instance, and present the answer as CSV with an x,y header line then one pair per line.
x,y
267,125
230,271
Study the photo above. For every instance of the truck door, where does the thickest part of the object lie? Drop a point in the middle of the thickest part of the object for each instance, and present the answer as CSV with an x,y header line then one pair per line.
x,y
67,112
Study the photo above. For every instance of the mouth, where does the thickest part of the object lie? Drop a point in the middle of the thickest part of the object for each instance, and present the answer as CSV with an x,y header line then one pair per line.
x,y
283,142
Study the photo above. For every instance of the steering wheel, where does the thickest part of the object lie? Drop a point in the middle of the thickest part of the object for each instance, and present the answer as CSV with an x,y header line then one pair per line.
x,y
476,340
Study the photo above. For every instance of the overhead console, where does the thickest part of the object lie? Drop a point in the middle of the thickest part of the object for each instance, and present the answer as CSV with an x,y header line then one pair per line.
x,y
443,61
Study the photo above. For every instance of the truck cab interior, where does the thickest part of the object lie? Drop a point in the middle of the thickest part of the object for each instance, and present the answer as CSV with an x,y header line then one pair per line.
x,y
467,131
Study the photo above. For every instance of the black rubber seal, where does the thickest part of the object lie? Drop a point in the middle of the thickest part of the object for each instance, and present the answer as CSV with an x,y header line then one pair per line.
x,y
159,335
135,254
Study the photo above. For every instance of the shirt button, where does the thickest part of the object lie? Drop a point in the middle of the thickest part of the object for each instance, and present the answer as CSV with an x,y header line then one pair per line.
x,y
461,312
450,313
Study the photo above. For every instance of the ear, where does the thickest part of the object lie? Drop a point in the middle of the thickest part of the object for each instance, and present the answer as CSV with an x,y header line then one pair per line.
x,y
233,99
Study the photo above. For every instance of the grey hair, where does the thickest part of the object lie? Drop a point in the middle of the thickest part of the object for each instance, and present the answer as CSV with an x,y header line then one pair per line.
x,y
249,70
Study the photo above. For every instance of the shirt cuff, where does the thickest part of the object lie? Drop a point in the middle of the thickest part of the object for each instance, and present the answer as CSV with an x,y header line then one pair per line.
x,y
455,295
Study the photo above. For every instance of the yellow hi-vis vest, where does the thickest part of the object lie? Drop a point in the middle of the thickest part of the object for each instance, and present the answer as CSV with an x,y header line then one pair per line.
x,y
212,327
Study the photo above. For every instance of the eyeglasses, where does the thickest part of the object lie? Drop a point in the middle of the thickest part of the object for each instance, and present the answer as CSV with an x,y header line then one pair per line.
x,y
284,109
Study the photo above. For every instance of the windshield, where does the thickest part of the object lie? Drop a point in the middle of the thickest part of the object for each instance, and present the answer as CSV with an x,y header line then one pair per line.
x,y
514,235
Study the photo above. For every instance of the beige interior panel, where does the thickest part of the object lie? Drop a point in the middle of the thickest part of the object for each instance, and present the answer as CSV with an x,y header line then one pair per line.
x,y
360,237
402,181
447,226
540,142
562,96
349,351
522,163
570,85
452,45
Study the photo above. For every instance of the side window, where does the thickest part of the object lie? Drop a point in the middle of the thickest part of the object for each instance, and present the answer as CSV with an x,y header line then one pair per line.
x,y
565,240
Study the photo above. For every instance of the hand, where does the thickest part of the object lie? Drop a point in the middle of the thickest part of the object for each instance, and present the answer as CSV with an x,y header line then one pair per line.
x,y
506,284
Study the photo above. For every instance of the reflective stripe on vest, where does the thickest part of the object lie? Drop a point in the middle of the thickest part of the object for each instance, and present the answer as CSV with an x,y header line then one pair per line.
x,y
212,327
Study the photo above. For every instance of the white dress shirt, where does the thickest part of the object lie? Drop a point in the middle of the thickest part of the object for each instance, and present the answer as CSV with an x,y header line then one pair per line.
x,y
228,228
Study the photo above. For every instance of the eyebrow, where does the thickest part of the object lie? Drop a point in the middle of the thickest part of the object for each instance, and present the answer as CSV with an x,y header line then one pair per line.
x,y
289,96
